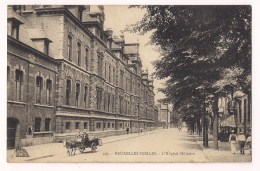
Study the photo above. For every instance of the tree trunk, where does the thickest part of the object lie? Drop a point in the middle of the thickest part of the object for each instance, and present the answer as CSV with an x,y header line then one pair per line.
x,y
198,125
193,125
215,122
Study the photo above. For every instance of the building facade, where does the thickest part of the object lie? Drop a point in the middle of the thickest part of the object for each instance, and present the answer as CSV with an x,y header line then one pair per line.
x,y
235,113
164,115
66,74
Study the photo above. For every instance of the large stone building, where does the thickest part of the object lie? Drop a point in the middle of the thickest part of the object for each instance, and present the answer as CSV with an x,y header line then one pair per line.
x,y
67,75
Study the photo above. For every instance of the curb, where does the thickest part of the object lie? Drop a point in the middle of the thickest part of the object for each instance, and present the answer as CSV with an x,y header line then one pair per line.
x,y
131,137
201,148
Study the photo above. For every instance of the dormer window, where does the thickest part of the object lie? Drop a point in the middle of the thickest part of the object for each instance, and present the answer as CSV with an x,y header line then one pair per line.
x,y
14,21
15,31
14,25
40,39
42,45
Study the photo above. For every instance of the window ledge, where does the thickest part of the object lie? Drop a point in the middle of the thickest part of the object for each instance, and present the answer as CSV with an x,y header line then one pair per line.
x,y
40,105
74,107
27,11
16,102
46,132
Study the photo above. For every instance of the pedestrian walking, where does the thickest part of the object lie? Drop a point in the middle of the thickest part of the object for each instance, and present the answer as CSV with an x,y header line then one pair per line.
x,y
179,128
241,141
127,130
233,140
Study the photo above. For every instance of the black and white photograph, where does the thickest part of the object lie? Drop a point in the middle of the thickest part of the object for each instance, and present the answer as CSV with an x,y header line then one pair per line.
x,y
129,83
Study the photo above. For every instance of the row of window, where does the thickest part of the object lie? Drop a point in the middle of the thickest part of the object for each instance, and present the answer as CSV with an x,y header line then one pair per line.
x,y
108,125
98,125
108,103
109,71
77,125
108,99
105,125
78,53
38,122
124,106
39,87
39,90
77,94
105,101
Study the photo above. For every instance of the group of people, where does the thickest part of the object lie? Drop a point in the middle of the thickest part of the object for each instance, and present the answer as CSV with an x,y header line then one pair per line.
x,y
241,139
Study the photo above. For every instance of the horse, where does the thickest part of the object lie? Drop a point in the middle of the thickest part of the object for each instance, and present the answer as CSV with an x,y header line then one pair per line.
x,y
71,146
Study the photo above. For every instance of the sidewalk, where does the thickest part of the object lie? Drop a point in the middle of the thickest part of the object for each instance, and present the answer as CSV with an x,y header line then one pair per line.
x,y
224,153
52,149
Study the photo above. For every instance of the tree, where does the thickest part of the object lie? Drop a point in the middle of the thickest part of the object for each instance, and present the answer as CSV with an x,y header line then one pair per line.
x,y
175,119
199,44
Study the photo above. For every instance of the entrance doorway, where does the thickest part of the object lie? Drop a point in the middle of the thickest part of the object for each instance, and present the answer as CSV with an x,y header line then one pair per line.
x,y
11,132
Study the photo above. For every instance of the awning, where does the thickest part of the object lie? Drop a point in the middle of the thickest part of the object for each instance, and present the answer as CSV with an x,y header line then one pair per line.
x,y
229,121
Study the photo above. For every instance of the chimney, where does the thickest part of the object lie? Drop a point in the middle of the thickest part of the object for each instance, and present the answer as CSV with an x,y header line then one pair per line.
x,y
109,32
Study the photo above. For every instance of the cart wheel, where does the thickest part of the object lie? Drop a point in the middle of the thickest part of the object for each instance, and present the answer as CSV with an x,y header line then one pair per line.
x,y
81,149
93,147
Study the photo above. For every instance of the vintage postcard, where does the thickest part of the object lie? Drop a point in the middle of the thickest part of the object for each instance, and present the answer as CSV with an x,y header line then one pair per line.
x,y
129,84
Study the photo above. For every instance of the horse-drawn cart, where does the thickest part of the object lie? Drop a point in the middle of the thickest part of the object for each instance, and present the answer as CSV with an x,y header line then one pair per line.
x,y
81,144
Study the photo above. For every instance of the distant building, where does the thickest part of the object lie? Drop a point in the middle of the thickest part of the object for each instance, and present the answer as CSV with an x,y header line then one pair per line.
x,y
164,114
68,75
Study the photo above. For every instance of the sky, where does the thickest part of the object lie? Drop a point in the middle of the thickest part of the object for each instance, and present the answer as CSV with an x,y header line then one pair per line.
x,y
118,17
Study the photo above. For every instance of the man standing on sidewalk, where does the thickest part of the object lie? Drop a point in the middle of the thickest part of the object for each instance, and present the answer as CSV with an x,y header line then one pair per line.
x,y
241,141
233,140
